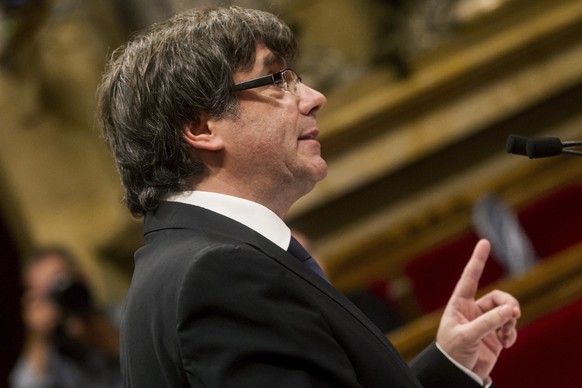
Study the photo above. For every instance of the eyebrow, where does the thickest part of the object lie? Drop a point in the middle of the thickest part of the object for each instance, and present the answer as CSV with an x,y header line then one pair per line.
x,y
272,59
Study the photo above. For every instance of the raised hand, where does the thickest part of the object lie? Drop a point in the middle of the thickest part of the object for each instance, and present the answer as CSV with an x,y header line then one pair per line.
x,y
473,332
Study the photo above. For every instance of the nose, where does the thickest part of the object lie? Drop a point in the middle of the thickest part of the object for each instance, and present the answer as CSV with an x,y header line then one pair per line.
x,y
310,100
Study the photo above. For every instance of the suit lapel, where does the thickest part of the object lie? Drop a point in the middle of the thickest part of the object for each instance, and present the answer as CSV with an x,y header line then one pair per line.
x,y
172,215
290,262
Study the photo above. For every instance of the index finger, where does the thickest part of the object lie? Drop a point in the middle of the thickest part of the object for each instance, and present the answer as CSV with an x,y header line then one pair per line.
x,y
468,283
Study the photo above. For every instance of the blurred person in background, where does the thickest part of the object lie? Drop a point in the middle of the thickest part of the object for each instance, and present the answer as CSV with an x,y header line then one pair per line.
x,y
69,341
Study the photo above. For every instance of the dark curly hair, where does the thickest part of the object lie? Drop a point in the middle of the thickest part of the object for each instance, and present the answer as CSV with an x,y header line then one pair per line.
x,y
164,79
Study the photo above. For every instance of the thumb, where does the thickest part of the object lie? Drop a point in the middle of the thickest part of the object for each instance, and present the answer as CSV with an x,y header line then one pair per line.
x,y
491,321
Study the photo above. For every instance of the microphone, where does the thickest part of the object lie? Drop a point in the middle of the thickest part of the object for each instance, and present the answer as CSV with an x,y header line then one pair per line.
x,y
544,147
516,145
541,147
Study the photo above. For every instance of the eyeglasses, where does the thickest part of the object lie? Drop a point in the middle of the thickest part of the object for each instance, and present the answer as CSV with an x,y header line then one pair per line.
x,y
286,79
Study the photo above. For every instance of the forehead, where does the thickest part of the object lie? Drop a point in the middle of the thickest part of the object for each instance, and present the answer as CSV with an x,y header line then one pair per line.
x,y
44,272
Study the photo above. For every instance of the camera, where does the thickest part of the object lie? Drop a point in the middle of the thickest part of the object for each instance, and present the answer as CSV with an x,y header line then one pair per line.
x,y
72,297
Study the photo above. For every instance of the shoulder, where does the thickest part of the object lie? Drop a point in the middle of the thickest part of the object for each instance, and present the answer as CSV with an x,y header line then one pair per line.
x,y
243,282
231,267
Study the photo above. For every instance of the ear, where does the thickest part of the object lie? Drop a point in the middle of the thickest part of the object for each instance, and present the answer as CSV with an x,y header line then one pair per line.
x,y
201,135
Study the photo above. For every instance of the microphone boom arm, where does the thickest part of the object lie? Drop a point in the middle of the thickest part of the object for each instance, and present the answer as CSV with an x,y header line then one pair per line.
x,y
572,152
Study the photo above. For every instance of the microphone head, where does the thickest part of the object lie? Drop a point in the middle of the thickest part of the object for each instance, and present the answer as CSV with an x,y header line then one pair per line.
x,y
516,145
544,147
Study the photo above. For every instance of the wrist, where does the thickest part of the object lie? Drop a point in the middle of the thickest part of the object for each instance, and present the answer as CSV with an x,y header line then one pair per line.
x,y
483,382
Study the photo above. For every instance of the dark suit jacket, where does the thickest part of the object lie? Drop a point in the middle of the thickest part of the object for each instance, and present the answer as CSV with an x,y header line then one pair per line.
x,y
212,303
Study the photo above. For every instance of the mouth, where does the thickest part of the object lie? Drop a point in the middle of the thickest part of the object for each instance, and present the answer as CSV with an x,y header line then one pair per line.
x,y
309,136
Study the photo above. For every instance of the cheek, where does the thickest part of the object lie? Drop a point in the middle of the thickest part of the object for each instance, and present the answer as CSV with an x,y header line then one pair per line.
x,y
257,149
274,150
268,131
273,135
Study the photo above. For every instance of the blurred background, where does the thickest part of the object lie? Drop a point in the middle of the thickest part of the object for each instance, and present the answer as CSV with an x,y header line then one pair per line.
x,y
423,95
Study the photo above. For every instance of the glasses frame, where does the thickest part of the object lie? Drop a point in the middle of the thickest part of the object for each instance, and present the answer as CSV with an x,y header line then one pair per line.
x,y
271,79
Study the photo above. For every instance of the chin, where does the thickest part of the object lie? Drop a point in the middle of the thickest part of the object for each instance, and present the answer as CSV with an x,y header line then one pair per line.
x,y
314,177
321,171
321,176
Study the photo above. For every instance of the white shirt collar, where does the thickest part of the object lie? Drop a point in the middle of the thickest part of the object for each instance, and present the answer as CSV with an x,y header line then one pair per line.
x,y
254,215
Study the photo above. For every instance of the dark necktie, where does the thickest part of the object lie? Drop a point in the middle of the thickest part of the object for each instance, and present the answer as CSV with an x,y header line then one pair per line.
x,y
304,257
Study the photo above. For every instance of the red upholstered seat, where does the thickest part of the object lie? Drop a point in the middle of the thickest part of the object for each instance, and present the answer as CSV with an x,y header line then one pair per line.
x,y
547,353
435,273
553,223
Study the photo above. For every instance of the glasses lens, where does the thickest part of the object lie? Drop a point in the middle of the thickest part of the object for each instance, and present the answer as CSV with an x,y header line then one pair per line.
x,y
291,81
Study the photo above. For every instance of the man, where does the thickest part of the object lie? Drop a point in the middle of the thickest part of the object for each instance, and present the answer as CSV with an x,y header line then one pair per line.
x,y
69,341
215,139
